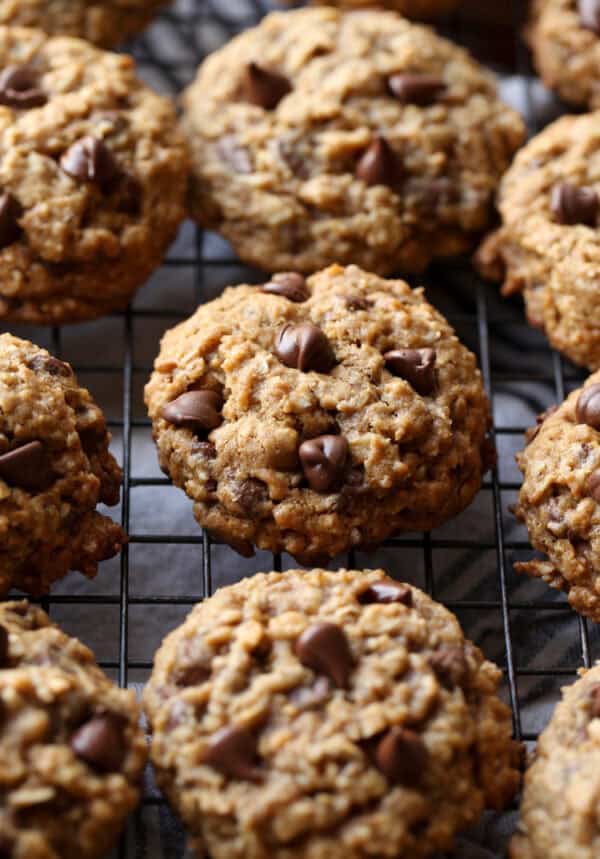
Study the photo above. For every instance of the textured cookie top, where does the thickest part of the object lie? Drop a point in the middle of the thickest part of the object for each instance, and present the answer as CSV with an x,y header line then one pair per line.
x,y
71,750
316,415
322,136
560,497
562,787
54,468
106,23
92,172
327,709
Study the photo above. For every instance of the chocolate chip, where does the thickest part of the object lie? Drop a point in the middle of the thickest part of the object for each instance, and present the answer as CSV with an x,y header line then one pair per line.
x,y
449,665
19,88
413,88
234,154
386,591
48,364
573,205
304,347
3,646
27,467
195,410
288,284
264,87
356,302
193,675
589,14
10,212
324,648
323,460
416,366
379,165
401,756
101,742
595,702
90,160
310,697
251,493
234,751
593,485
588,406
129,200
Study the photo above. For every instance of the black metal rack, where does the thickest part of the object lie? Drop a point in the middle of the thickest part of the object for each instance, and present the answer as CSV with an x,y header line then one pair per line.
x,y
170,564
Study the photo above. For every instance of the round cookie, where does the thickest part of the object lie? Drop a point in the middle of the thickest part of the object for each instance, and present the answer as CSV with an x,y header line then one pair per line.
x,y
309,714
564,36
316,416
420,9
92,178
55,468
562,787
548,247
105,23
322,136
71,749
559,501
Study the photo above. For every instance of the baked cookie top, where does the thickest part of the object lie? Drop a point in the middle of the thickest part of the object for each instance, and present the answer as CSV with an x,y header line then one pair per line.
x,y
324,136
549,244
71,749
299,713
559,500
92,174
104,23
313,416
55,467
562,787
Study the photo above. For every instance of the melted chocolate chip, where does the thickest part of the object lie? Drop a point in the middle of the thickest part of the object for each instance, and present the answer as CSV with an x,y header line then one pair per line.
x,y
10,212
90,160
589,14
263,87
449,665
19,88
386,591
573,205
195,410
401,756
251,493
3,646
27,467
101,742
288,284
323,460
416,366
588,406
356,302
305,347
41,363
593,485
324,648
595,702
379,165
234,752
414,88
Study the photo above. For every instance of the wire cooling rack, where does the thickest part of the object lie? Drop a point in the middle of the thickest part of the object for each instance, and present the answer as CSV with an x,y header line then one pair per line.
x,y
170,564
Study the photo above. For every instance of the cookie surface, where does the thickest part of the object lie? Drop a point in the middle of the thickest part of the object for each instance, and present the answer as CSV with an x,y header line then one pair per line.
x,y
55,467
71,749
548,247
559,501
93,175
562,787
105,23
322,136
327,712
314,416
564,36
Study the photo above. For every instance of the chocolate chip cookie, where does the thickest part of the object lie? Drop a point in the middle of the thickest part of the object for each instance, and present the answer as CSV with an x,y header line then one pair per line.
x,y
309,714
55,468
560,797
104,23
71,749
548,247
322,136
315,416
564,36
560,498
92,178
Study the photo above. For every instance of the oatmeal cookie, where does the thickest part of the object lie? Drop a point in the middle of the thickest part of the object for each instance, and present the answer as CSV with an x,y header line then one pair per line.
x,y
324,136
55,468
315,416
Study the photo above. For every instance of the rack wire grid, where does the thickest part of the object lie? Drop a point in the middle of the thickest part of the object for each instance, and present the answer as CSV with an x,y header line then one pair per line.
x,y
170,564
